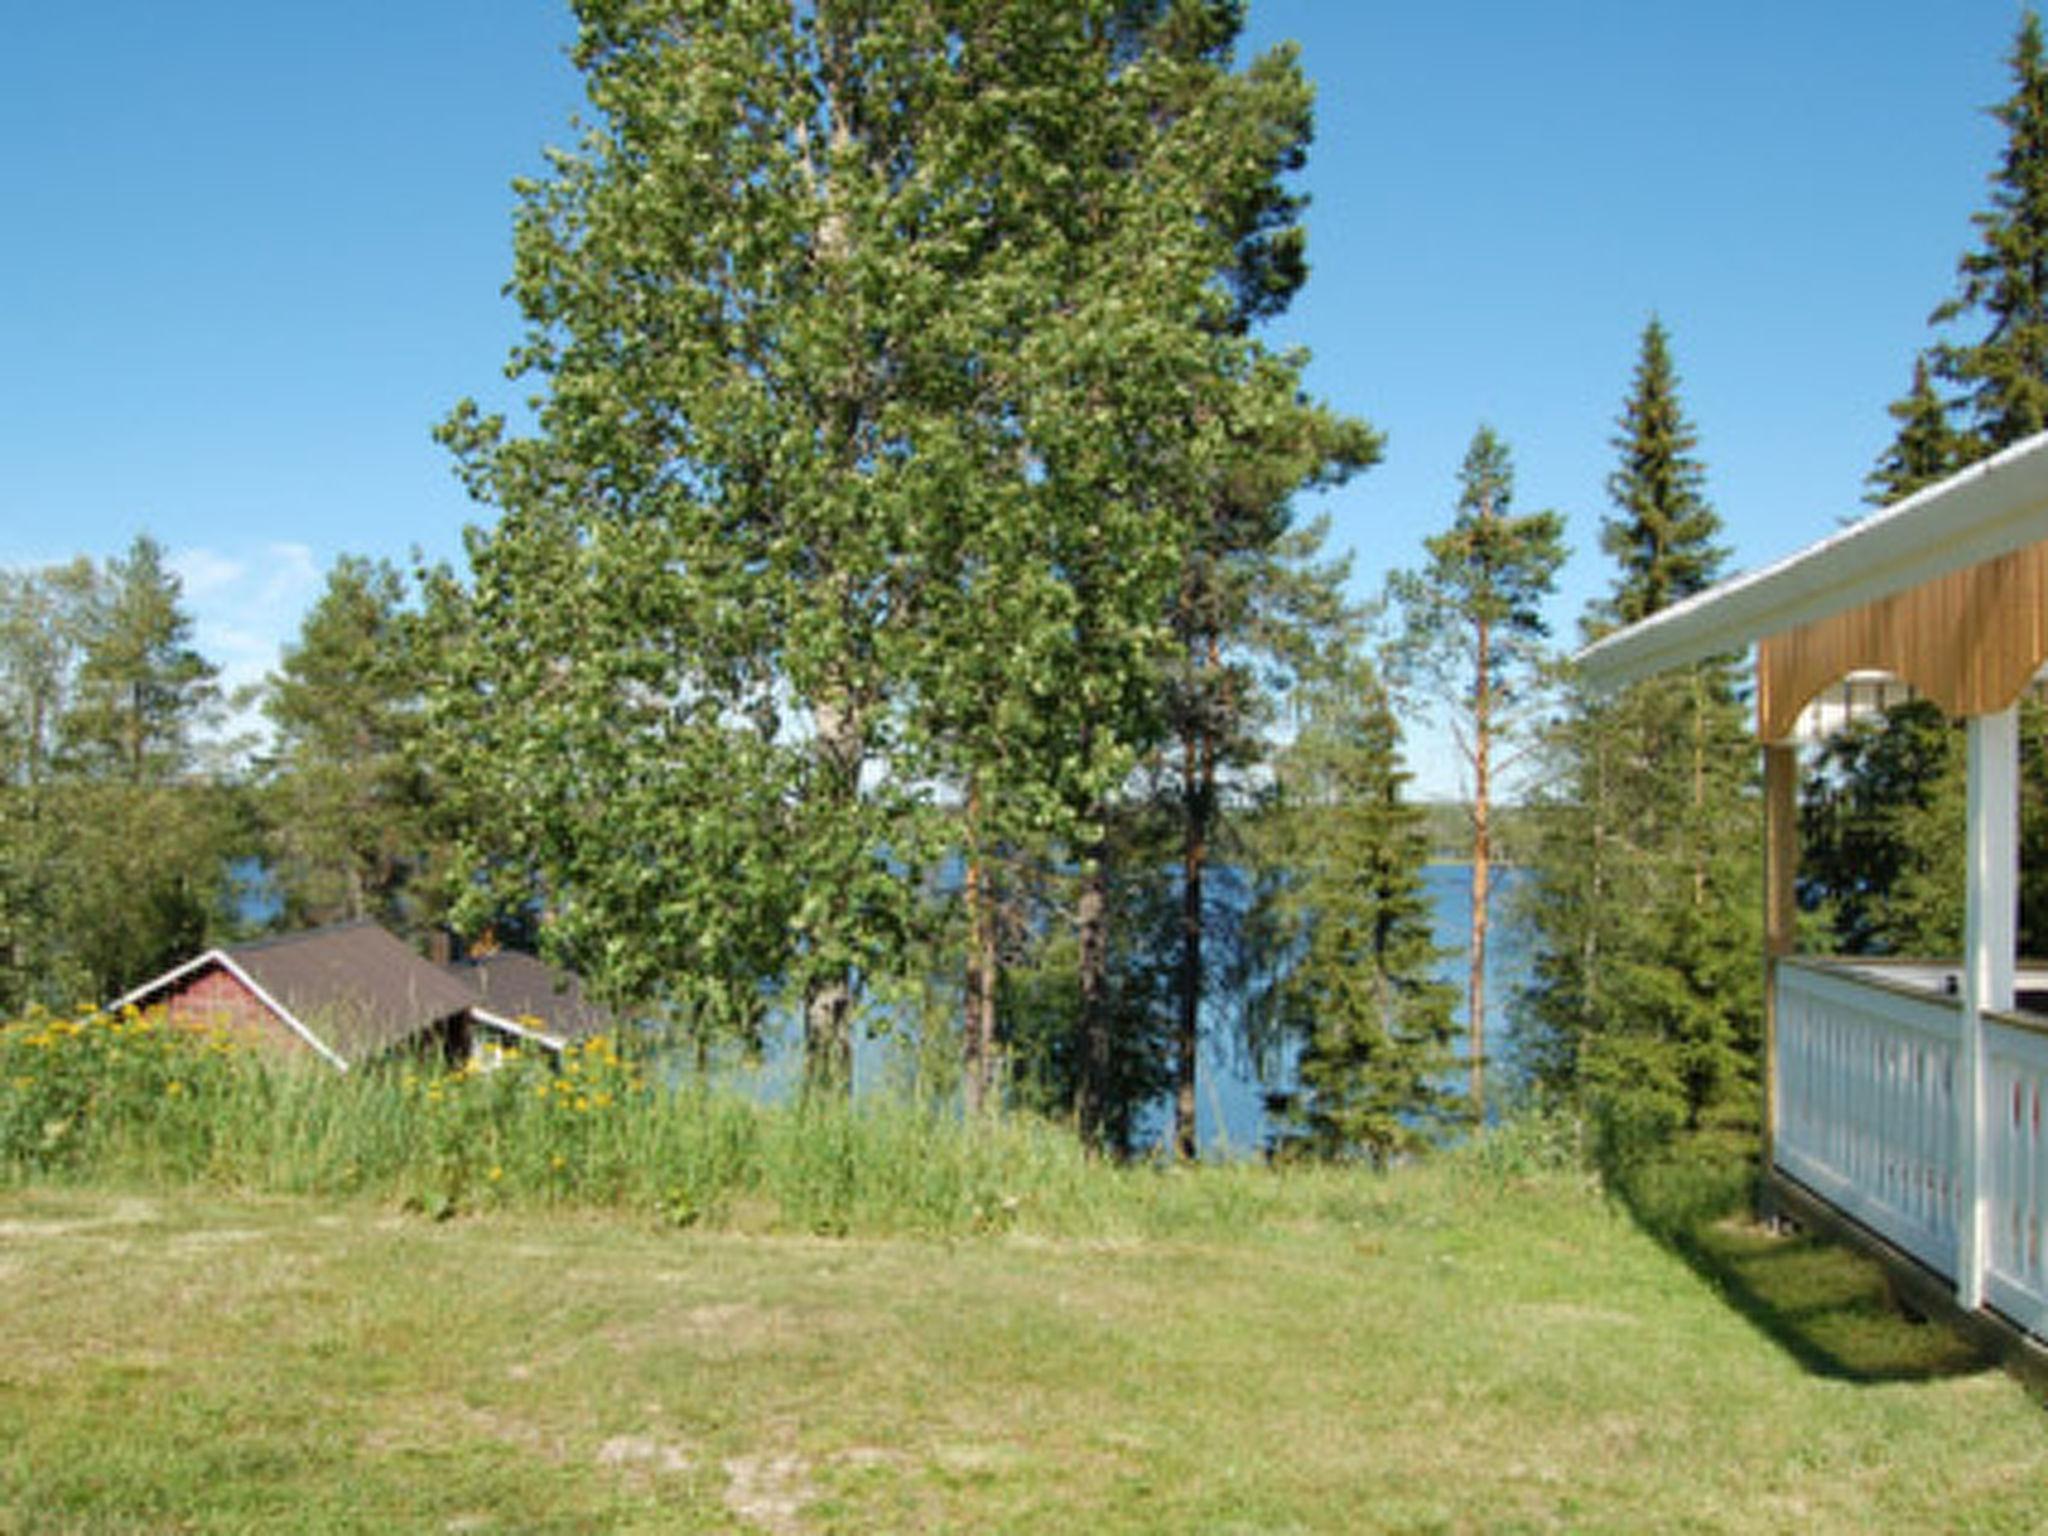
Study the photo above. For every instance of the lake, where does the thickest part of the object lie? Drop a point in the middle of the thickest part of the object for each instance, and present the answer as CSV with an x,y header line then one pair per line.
x,y
1231,1117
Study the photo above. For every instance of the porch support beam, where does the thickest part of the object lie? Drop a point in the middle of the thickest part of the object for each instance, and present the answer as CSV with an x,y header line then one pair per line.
x,y
1990,939
1781,865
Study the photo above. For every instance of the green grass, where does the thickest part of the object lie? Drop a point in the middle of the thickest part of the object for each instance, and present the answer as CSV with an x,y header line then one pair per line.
x,y
135,1100
1458,1347
236,1300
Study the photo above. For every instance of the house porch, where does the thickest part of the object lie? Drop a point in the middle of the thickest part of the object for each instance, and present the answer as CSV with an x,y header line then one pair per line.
x,y
1903,1101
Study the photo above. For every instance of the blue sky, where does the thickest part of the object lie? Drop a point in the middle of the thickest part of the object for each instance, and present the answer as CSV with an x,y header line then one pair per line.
x,y
255,250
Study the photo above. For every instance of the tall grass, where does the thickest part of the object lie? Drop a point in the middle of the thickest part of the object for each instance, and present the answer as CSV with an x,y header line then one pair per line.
x,y
131,1098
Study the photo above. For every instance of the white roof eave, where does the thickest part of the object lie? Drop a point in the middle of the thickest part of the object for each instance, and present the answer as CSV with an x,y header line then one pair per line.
x,y
1978,514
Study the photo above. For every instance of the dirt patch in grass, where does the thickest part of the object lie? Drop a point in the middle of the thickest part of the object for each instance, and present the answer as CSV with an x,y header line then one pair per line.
x,y
114,1214
769,1492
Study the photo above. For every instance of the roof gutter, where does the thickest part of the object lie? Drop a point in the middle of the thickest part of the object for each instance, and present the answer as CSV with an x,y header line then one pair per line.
x,y
512,1027
1990,509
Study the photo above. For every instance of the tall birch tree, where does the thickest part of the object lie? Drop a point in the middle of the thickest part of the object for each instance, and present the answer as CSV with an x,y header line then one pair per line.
x,y
875,345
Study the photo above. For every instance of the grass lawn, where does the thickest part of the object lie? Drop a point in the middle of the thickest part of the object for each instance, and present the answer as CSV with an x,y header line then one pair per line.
x,y
1436,1350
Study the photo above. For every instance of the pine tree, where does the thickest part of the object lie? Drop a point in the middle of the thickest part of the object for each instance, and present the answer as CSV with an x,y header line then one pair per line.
x,y
143,693
345,796
1472,634
1256,607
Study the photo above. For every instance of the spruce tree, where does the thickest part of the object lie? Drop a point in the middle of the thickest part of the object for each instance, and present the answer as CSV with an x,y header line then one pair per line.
x,y
1348,929
1926,447
1642,1005
2002,286
1881,847
1662,534
1882,805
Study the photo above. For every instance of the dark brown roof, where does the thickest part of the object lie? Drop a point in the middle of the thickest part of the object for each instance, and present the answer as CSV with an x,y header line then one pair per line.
x,y
516,986
357,986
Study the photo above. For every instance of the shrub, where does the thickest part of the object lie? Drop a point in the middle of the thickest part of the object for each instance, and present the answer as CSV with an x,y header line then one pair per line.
x,y
72,1090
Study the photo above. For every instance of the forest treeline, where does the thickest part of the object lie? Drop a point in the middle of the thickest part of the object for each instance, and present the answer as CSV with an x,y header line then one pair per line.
x,y
897,612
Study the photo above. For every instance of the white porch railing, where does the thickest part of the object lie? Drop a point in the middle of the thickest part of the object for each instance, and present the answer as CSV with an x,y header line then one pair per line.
x,y
1867,1065
1867,1102
2016,1170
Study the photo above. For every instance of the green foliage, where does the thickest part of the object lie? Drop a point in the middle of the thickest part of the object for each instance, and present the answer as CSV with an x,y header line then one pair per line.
x,y
1052,1071
72,1090
1471,639
345,799
1998,376
44,620
1882,813
2002,375
140,691
1643,1005
1881,835
1256,611
1472,618
1926,448
1882,821
115,833
1642,1011
132,1096
886,359
1663,531
1350,943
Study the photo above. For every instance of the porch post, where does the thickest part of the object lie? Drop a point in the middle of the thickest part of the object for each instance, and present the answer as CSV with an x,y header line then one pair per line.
x,y
1781,865
1990,937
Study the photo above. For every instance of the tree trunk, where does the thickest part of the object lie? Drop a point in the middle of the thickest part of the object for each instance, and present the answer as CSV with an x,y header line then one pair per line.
x,y
979,1074
828,1038
1482,868
1699,792
1589,940
828,997
1098,1045
1198,777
